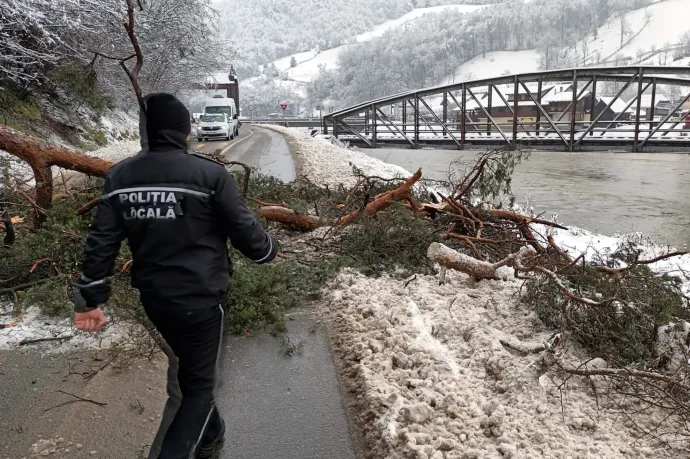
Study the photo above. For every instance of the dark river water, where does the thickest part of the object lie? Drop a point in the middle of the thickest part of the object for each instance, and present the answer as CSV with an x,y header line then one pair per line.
x,y
604,192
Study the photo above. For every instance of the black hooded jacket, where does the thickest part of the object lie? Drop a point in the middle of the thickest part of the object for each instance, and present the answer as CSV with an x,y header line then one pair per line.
x,y
177,211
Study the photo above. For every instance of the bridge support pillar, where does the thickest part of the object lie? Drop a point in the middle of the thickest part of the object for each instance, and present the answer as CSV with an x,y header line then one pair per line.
x,y
539,90
652,108
593,114
516,108
463,117
404,118
445,112
491,112
416,121
573,113
374,125
636,142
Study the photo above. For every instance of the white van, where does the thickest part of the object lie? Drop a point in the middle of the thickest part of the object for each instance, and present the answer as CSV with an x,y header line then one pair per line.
x,y
224,106
216,126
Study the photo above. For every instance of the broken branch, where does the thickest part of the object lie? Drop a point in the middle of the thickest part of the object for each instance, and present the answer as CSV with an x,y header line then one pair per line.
x,y
476,269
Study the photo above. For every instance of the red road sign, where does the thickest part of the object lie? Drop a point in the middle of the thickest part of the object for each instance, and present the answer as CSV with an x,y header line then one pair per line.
x,y
284,106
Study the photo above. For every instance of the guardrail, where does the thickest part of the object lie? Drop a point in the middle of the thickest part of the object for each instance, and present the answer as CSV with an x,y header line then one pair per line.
x,y
314,123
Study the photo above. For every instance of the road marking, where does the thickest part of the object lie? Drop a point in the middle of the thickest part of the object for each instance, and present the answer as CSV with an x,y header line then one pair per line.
x,y
225,150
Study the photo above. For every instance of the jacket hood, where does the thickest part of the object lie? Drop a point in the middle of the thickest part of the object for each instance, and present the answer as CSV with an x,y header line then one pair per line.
x,y
165,125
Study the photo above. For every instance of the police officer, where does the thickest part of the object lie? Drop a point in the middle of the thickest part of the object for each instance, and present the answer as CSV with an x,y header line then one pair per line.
x,y
177,211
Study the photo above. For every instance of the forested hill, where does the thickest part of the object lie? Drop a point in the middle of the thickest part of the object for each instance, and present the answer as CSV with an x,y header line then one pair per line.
x,y
262,31
428,51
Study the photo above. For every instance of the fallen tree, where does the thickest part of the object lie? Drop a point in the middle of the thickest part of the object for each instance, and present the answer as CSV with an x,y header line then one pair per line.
x,y
41,157
288,217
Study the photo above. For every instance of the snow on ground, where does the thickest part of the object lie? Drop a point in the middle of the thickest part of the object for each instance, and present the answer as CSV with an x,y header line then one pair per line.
x,y
495,64
60,333
434,370
433,379
117,151
598,247
657,26
115,122
324,163
309,62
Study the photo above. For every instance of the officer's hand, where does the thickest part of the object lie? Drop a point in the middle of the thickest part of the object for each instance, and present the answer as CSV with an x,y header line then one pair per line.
x,y
91,321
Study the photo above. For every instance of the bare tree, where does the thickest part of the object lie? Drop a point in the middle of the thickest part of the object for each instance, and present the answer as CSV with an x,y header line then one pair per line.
x,y
32,35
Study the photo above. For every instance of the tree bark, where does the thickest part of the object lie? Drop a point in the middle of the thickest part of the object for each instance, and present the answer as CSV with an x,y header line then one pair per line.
x,y
289,217
40,157
309,223
476,269
382,202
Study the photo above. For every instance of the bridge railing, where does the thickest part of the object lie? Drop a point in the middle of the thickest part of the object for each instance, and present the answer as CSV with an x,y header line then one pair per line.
x,y
560,109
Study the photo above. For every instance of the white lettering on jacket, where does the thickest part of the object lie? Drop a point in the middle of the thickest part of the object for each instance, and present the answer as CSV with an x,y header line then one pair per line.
x,y
148,197
144,205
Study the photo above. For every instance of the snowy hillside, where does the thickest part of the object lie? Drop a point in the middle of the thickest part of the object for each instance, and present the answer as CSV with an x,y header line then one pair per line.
x,y
450,43
287,79
495,64
262,31
642,33
308,63
652,35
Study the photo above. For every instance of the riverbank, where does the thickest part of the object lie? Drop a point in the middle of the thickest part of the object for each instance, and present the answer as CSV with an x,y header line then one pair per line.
x,y
605,193
449,371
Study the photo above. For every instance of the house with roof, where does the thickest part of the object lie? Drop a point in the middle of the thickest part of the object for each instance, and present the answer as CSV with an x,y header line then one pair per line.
x,y
560,103
495,104
662,106
618,110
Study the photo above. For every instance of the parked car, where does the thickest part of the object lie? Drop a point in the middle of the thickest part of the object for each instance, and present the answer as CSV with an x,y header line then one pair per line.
x,y
213,126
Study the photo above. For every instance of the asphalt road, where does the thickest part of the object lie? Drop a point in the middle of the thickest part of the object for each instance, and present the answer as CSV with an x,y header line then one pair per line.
x,y
276,406
279,406
260,148
40,400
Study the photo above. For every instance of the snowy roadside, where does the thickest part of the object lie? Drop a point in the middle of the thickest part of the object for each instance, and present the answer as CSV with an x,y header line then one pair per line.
x,y
436,370
436,374
323,163
328,164
56,335
59,334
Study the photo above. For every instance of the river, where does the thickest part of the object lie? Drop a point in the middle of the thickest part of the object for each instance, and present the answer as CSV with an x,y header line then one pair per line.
x,y
604,192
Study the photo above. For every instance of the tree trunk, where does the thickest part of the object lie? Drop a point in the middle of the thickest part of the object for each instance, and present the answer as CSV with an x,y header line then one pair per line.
x,y
40,157
290,218
476,269
309,223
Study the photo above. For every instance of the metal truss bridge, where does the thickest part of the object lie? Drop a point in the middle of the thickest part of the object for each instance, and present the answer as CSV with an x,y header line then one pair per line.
x,y
595,108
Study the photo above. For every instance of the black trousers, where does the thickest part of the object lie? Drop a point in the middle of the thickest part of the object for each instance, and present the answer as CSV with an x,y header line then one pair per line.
x,y
195,336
